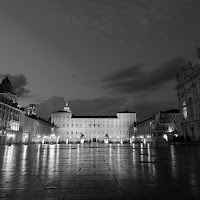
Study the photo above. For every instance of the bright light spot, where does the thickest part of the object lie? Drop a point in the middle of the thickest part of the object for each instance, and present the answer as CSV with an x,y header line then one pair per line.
x,y
10,135
170,129
176,135
165,136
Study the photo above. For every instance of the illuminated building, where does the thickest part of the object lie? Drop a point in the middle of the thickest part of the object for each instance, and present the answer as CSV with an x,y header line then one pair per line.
x,y
188,91
17,126
144,130
166,123
93,128
10,114
35,129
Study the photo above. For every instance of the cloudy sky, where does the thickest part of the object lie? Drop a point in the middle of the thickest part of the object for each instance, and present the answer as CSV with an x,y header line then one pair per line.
x,y
101,56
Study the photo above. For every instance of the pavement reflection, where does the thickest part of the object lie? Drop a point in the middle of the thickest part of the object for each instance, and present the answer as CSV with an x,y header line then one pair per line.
x,y
99,171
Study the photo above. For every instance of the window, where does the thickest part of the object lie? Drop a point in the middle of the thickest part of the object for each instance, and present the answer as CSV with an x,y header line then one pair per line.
x,y
184,110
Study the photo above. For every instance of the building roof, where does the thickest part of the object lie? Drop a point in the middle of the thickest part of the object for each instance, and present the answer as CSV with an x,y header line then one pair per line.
x,y
126,111
38,118
151,118
93,116
90,116
171,111
60,111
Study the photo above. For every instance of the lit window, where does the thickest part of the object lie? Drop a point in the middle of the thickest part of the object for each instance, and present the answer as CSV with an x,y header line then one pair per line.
x,y
184,110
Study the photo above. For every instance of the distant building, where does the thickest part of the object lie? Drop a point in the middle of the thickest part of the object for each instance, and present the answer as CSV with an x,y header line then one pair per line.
x,y
36,129
144,130
166,123
93,128
31,110
188,91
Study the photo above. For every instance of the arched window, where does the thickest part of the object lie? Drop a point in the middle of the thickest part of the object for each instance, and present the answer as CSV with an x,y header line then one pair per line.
x,y
184,110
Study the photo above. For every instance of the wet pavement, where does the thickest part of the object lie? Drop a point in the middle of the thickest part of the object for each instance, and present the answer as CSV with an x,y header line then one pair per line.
x,y
99,171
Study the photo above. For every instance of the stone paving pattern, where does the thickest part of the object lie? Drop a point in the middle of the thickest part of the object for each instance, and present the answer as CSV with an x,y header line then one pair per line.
x,y
99,171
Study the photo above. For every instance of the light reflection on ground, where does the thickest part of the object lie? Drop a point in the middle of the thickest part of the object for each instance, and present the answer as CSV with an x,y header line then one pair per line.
x,y
99,171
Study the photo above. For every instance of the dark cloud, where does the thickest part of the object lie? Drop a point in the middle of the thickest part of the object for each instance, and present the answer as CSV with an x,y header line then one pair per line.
x,y
104,106
19,83
145,109
125,74
133,79
100,106
45,108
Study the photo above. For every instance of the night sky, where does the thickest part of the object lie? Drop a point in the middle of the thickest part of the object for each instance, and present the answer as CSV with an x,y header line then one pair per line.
x,y
103,56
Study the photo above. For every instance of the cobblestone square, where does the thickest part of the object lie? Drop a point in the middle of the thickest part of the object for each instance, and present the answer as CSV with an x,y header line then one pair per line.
x,y
99,171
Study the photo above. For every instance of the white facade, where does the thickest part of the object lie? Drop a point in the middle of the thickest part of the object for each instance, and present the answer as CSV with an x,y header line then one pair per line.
x,y
93,128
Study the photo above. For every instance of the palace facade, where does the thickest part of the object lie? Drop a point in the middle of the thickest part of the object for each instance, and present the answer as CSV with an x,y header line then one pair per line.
x,y
93,128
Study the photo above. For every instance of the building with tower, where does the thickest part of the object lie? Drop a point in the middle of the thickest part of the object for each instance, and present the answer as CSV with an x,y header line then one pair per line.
x,y
36,129
72,128
11,117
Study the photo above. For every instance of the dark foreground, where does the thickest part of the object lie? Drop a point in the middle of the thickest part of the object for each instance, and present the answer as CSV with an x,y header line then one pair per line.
x,y
99,171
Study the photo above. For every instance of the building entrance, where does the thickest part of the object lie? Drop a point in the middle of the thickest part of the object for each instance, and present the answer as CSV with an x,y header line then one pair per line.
x,y
94,140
